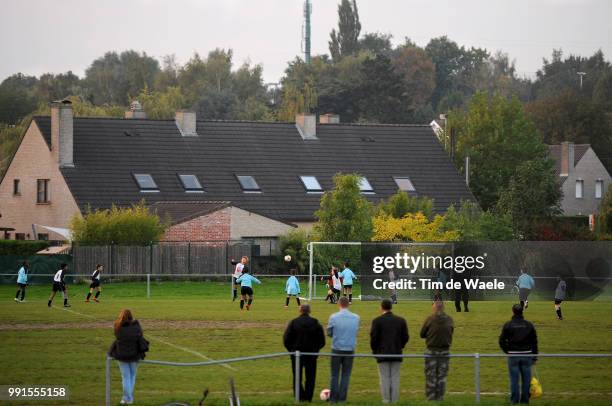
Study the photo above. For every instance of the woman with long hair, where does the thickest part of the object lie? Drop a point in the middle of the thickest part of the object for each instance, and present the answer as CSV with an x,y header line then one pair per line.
x,y
128,349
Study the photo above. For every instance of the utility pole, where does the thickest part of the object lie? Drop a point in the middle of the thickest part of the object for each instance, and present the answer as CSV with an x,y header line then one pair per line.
x,y
581,74
306,31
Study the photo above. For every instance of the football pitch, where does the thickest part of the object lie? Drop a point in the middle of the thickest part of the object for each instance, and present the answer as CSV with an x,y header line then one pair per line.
x,y
197,321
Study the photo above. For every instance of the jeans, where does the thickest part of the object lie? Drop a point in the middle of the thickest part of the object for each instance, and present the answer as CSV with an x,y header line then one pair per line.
x,y
308,367
128,379
389,374
520,366
340,379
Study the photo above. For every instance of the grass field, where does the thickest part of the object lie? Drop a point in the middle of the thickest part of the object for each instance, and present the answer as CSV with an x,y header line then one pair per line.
x,y
197,321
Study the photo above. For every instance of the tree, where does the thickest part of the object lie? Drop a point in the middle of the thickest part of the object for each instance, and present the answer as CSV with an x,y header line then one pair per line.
x,y
345,41
604,217
376,43
497,136
52,87
161,104
344,214
17,98
473,224
456,69
381,94
400,204
532,195
295,243
418,78
124,226
570,116
412,227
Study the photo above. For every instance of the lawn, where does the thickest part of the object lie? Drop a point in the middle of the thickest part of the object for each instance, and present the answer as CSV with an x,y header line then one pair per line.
x,y
196,321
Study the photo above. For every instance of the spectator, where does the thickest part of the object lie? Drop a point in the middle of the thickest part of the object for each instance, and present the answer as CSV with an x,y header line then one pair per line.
x,y
342,328
437,331
128,349
518,336
305,334
525,284
389,335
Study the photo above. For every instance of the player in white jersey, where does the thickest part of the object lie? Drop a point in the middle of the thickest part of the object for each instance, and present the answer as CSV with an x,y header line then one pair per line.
x,y
95,283
237,274
59,285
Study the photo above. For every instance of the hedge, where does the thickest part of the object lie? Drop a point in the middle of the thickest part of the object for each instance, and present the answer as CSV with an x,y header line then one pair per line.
x,y
23,248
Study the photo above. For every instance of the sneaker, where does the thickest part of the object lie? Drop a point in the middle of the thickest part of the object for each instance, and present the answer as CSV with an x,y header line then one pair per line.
x,y
67,305
286,307
49,303
86,300
96,300
526,304
248,307
22,301
17,300
123,402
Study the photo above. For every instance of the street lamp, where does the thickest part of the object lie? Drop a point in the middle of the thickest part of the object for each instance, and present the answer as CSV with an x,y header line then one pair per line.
x,y
581,74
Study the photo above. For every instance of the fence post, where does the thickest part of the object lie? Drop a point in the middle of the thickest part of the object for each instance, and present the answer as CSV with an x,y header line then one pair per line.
x,y
189,257
148,286
477,376
108,383
297,382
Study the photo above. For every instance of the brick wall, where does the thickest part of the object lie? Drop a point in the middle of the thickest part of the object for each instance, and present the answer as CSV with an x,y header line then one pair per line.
x,y
211,227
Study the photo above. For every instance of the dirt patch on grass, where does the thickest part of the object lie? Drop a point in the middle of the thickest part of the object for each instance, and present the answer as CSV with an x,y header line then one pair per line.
x,y
147,325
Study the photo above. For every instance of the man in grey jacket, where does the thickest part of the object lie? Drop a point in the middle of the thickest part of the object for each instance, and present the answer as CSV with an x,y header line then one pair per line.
x,y
560,293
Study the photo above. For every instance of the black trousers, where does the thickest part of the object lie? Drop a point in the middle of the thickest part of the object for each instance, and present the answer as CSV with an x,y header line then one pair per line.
x,y
308,367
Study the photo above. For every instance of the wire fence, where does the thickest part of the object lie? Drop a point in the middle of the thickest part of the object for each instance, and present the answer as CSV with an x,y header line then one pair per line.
x,y
298,354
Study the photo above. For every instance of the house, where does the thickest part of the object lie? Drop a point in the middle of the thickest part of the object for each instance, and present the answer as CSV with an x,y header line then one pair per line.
x,y
214,179
584,179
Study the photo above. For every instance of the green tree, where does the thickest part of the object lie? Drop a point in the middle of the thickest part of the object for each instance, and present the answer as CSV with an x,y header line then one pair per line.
x,y
497,136
295,243
473,224
604,217
400,204
344,215
161,105
345,41
17,98
381,94
135,225
532,195
376,43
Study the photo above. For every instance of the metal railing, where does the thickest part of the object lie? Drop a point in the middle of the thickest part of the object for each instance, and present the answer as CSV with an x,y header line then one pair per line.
x,y
299,354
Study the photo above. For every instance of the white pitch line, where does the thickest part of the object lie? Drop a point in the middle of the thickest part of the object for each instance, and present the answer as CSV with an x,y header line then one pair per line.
x,y
178,347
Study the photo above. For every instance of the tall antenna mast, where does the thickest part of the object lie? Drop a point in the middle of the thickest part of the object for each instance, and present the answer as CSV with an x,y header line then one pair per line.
x,y
306,31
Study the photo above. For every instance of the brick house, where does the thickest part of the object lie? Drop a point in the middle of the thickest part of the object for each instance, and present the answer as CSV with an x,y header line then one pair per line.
x,y
213,179
584,179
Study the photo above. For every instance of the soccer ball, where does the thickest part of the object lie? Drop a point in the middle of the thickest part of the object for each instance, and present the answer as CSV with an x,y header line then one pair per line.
x,y
325,394
287,258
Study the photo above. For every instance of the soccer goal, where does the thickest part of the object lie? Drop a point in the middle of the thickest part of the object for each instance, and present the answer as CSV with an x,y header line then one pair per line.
x,y
324,255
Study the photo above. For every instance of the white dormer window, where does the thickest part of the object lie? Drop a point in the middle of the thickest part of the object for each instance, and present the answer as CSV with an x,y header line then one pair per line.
x,y
404,184
311,184
191,184
145,182
364,186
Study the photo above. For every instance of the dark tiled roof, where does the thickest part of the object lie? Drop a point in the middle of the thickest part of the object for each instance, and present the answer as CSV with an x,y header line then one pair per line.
x,y
44,124
274,153
179,212
554,152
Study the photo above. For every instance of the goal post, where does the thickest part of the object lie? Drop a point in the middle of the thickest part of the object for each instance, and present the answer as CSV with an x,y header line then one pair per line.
x,y
311,261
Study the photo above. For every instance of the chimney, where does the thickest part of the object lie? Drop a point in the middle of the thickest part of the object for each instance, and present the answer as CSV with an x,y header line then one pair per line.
x,y
306,124
186,122
329,118
567,158
62,134
135,111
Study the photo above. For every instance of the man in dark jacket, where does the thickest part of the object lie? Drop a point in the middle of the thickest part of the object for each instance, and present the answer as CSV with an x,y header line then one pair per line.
x,y
305,334
389,335
518,336
437,331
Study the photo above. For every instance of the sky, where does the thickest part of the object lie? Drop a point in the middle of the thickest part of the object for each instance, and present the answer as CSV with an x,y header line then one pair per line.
x,y
39,36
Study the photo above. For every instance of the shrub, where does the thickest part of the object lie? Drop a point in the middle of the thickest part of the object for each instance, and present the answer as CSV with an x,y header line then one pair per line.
x,y
22,248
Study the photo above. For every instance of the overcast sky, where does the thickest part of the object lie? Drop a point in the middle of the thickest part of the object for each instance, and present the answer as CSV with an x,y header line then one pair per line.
x,y
39,36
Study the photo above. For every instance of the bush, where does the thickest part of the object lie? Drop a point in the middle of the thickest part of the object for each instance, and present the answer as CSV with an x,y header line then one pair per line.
x,y
295,243
22,248
130,225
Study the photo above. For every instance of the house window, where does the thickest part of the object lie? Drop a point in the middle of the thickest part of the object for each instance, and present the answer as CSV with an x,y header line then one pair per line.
x,y
598,188
364,186
579,189
191,183
20,236
43,236
42,191
311,184
248,183
404,184
146,182
16,187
